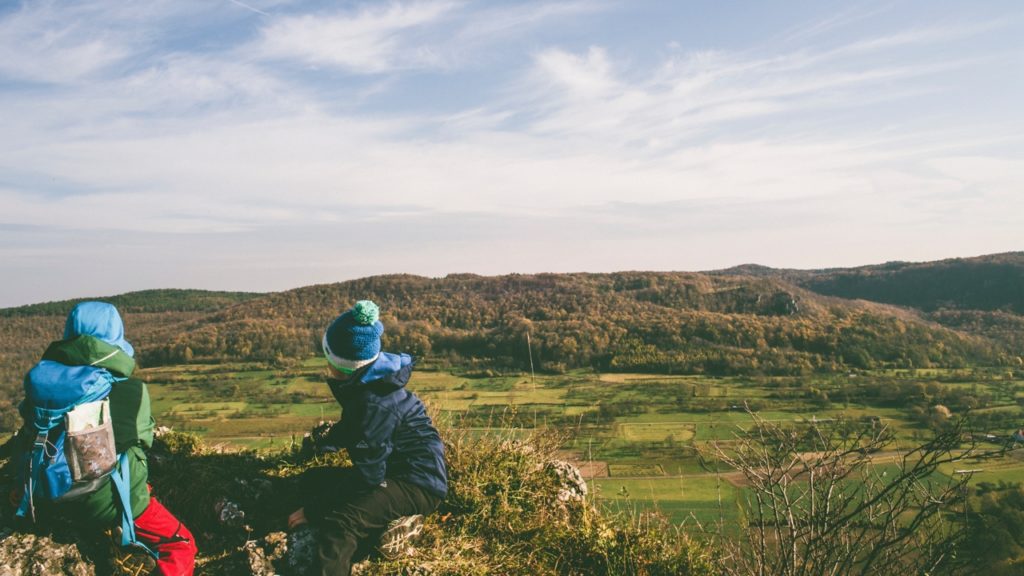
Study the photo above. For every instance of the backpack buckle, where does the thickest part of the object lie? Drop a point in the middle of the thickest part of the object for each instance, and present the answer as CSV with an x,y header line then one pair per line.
x,y
43,444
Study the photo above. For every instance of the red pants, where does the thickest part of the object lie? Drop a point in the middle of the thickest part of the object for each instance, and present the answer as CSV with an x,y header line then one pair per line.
x,y
164,534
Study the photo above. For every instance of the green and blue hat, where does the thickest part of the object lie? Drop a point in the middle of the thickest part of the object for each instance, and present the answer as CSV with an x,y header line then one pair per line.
x,y
353,339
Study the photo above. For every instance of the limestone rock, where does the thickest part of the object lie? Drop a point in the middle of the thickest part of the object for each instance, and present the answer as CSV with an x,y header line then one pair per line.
x,y
302,551
31,555
229,513
572,487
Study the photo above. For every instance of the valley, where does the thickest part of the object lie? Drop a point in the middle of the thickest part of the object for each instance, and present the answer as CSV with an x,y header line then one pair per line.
x,y
643,441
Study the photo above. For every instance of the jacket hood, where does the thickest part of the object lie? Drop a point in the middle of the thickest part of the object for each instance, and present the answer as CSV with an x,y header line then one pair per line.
x,y
388,369
91,351
100,320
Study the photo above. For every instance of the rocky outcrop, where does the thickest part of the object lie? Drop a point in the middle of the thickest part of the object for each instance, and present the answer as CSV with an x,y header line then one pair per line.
x,y
238,513
572,487
32,555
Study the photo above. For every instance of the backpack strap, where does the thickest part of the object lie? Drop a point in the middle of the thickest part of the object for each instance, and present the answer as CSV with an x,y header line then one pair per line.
x,y
121,480
27,507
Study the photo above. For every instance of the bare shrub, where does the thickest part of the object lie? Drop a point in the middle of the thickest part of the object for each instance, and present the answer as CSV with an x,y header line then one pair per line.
x,y
821,501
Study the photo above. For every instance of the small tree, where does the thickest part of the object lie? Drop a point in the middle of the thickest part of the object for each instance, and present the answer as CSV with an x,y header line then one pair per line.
x,y
825,503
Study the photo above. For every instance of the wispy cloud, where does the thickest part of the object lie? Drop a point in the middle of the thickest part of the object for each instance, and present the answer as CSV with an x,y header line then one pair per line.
x,y
446,118
699,93
587,130
249,7
47,42
376,38
807,31
492,24
369,40
586,77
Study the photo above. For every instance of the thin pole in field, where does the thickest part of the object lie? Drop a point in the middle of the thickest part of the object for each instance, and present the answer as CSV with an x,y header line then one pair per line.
x,y
529,348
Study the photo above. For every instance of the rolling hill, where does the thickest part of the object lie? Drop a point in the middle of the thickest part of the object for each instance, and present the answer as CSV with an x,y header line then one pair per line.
x,y
983,295
746,320
985,283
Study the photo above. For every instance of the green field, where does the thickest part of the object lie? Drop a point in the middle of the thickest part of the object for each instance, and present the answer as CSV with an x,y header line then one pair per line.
x,y
638,435
1008,469
705,499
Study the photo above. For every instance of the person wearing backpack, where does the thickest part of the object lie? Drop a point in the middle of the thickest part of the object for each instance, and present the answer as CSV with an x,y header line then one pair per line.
x,y
95,481
398,471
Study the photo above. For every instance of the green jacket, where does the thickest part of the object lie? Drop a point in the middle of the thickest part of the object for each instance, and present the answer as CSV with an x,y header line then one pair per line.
x,y
132,422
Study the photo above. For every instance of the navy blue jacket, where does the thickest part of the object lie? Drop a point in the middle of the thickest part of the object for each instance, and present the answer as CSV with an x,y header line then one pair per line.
x,y
385,427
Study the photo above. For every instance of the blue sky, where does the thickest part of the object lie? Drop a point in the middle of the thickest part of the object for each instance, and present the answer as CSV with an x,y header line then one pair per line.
x,y
263,145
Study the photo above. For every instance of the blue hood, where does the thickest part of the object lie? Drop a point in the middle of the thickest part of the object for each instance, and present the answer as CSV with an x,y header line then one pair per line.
x,y
388,369
100,320
393,368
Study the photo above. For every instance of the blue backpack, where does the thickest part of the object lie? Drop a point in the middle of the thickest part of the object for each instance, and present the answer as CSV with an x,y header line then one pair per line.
x,y
66,460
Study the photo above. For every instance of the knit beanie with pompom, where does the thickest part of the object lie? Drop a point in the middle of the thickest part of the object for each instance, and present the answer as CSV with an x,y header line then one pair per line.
x,y
353,339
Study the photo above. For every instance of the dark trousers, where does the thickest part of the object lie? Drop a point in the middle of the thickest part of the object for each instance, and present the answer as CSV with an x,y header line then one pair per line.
x,y
347,514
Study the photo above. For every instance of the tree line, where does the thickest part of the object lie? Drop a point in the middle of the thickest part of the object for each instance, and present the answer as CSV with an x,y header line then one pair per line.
x,y
633,321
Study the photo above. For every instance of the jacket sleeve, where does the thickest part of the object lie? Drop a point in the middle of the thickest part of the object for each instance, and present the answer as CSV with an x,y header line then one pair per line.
x,y
131,414
144,422
367,433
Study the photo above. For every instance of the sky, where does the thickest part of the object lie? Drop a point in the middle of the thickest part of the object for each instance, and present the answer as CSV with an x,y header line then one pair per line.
x,y
261,145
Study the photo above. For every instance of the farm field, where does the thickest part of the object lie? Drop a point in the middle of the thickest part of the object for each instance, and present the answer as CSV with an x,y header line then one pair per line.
x,y
637,437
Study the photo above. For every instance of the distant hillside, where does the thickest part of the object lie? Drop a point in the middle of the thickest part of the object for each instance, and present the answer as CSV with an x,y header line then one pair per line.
x,y
663,322
715,323
145,301
989,283
982,295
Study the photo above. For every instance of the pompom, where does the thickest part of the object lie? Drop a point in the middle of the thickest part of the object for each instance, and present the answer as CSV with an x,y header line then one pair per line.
x,y
365,312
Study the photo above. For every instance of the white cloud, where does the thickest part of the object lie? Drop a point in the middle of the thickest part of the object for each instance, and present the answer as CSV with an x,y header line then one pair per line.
x,y
369,40
77,43
581,77
584,146
182,82
831,24
249,7
989,178
704,93
595,133
47,42
430,34
487,25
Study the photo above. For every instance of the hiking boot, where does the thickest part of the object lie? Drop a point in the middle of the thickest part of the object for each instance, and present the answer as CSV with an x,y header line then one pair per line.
x,y
398,539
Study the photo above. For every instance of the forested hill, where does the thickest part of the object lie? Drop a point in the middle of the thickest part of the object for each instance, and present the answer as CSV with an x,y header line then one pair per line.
x,y
982,295
985,283
666,322
143,301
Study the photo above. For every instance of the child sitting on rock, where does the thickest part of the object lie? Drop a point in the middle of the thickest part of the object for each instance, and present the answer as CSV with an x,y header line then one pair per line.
x,y
397,455
94,359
